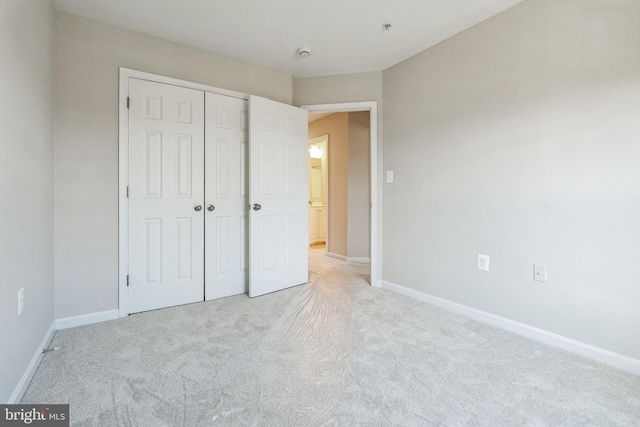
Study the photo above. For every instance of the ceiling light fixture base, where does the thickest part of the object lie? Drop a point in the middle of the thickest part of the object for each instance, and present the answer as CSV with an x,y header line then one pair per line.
x,y
303,52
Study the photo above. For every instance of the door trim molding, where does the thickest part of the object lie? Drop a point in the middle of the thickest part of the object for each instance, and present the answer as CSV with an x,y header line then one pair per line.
x,y
376,195
123,165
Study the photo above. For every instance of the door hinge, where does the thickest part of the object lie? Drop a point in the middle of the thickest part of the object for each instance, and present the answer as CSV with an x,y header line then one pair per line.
x,y
127,102
127,280
127,191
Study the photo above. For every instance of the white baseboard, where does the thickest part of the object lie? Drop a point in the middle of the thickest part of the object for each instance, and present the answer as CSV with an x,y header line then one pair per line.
x,y
18,392
361,260
87,319
337,256
586,350
68,322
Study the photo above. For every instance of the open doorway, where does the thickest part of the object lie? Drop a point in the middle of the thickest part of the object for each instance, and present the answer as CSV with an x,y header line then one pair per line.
x,y
318,193
340,185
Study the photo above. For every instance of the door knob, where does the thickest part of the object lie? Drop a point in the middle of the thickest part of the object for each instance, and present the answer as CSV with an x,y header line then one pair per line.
x,y
256,207
211,208
197,208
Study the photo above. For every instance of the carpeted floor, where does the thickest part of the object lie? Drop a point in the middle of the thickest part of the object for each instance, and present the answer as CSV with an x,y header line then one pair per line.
x,y
333,352
321,249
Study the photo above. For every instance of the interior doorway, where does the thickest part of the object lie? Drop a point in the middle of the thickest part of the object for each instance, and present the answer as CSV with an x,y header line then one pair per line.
x,y
350,205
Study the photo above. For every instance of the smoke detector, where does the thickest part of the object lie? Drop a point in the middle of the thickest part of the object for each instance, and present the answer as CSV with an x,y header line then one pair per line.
x,y
303,52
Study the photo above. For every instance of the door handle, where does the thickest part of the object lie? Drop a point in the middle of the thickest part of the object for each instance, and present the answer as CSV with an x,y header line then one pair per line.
x,y
256,207
197,208
211,208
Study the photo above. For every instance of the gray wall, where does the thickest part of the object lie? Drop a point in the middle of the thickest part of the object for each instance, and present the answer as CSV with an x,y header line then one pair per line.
x,y
26,183
86,140
341,88
519,138
359,185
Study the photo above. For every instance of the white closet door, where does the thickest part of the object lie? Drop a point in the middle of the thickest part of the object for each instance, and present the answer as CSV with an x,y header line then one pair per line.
x,y
226,196
278,193
166,194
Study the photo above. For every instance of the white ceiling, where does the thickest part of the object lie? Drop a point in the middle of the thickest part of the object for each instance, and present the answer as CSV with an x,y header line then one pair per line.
x,y
345,36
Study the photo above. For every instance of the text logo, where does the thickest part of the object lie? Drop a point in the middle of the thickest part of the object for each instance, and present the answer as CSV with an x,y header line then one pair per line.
x,y
34,415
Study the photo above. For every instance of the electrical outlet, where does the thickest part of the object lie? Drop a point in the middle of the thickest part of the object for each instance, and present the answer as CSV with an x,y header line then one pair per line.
x,y
483,262
20,301
389,177
540,273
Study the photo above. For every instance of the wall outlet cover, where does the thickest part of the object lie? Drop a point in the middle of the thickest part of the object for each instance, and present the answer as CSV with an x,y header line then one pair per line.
x,y
483,262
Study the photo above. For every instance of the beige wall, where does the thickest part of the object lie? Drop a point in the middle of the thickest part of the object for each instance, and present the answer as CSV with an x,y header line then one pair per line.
x,y
26,183
359,185
86,138
518,138
337,127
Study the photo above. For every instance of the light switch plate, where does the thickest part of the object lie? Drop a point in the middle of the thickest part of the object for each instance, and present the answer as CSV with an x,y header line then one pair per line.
x,y
389,177
540,273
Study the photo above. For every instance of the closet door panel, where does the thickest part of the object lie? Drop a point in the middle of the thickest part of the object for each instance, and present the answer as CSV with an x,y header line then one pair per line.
x,y
279,196
226,200
166,183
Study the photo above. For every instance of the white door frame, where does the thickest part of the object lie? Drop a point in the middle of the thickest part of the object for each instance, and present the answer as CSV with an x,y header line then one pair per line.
x,y
123,167
372,108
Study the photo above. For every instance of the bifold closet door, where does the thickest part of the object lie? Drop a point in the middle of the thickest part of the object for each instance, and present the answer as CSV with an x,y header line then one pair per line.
x,y
279,195
226,196
166,195
194,160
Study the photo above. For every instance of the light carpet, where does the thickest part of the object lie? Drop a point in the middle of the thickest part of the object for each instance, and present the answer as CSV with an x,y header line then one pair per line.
x,y
332,352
